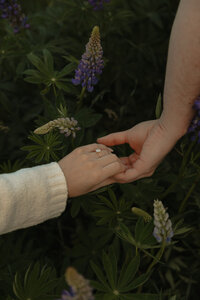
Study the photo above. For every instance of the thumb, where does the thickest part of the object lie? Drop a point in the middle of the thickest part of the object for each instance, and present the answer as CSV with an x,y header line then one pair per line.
x,y
113,139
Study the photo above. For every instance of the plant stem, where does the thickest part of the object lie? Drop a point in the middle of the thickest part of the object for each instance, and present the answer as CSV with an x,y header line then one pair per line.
x,y
80,102
181,172
158,257
183,203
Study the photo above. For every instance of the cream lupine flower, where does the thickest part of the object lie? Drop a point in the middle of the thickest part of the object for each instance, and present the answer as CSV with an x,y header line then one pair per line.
x,y
163,225
65,125
80,288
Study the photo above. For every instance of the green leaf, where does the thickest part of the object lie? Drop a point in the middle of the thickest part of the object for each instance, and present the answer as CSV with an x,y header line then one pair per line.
x,y
75,207
144,234
98,286
137,282
63,86
38,283
37,62
113,198
128,272
106,202
48,60
100,276
109,270
124,233
66,70
87,118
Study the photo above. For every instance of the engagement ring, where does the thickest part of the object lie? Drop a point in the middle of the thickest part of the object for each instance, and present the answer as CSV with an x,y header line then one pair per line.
x,y
98,150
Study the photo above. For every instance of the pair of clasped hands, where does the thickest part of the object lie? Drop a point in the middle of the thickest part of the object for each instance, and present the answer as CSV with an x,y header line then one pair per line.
x,y
90,167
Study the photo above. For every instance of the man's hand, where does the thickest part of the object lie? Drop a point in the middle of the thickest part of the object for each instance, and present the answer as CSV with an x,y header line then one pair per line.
x,y
150,140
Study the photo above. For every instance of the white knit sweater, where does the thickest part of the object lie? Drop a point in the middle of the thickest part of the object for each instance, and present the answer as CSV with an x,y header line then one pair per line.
x,y
31,196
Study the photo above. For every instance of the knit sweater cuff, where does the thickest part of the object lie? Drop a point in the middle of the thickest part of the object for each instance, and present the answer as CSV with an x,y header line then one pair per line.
x,y
56,189
31,196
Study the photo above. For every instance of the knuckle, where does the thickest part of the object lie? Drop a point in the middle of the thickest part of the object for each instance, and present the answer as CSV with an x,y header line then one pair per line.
x,y
84,156
115,158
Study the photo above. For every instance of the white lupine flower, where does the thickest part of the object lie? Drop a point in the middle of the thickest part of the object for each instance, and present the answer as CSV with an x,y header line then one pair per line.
x,y
163,225
80,287
65,125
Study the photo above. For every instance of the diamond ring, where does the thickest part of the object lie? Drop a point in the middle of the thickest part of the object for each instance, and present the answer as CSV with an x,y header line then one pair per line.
x,y
98,150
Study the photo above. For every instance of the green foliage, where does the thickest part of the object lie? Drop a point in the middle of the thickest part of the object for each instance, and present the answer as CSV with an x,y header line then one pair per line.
x,y
37,66
119,287
36,284
46,147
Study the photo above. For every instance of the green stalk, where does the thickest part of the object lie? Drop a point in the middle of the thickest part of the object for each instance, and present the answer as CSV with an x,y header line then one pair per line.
x,y
183,203
158,257
155,260
80,102
181,172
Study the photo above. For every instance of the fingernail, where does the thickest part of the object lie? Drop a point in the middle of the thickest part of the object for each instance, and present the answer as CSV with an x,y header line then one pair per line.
x,y
111,149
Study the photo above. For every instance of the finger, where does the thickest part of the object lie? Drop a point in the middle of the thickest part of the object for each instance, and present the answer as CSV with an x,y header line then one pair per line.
x,y
93,147
126,161
97,155
112,169
133,158
112,139
139,170
108,159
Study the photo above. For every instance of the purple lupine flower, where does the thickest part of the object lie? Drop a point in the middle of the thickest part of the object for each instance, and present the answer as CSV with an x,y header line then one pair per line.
x,y
98,4
91,63
11,10
68,295
194,127
163,226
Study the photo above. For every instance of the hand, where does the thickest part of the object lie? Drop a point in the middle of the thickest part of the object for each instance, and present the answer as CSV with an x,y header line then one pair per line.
x,y
150,140
86,170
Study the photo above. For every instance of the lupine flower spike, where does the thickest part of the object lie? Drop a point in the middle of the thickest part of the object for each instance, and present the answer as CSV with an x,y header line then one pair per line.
x,y
65,125
91,63
163,226
11,10
194,127
98,4
80,288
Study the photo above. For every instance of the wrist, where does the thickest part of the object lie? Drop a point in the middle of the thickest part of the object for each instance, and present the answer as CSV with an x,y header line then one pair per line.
x,y
177,123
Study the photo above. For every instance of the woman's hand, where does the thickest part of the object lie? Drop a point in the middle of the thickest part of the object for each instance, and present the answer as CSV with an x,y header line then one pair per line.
x,y
86,170
150,140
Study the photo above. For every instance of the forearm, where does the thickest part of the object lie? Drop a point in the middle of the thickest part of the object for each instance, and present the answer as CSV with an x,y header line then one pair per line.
x,y
182,81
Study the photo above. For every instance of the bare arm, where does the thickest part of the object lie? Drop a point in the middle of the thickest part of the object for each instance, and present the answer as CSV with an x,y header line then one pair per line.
x,y
182,82
152,140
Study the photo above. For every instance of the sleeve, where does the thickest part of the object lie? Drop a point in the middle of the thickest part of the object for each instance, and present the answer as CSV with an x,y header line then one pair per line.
x,y
31,196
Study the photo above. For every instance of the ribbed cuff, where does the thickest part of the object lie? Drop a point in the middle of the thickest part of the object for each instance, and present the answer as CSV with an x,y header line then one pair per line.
x,y
57,188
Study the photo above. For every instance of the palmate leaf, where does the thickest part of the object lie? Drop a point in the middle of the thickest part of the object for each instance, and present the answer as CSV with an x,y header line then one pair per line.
x,y
87,118
100,276
46,74
118,286
37,283
46,147
144,234
128,271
